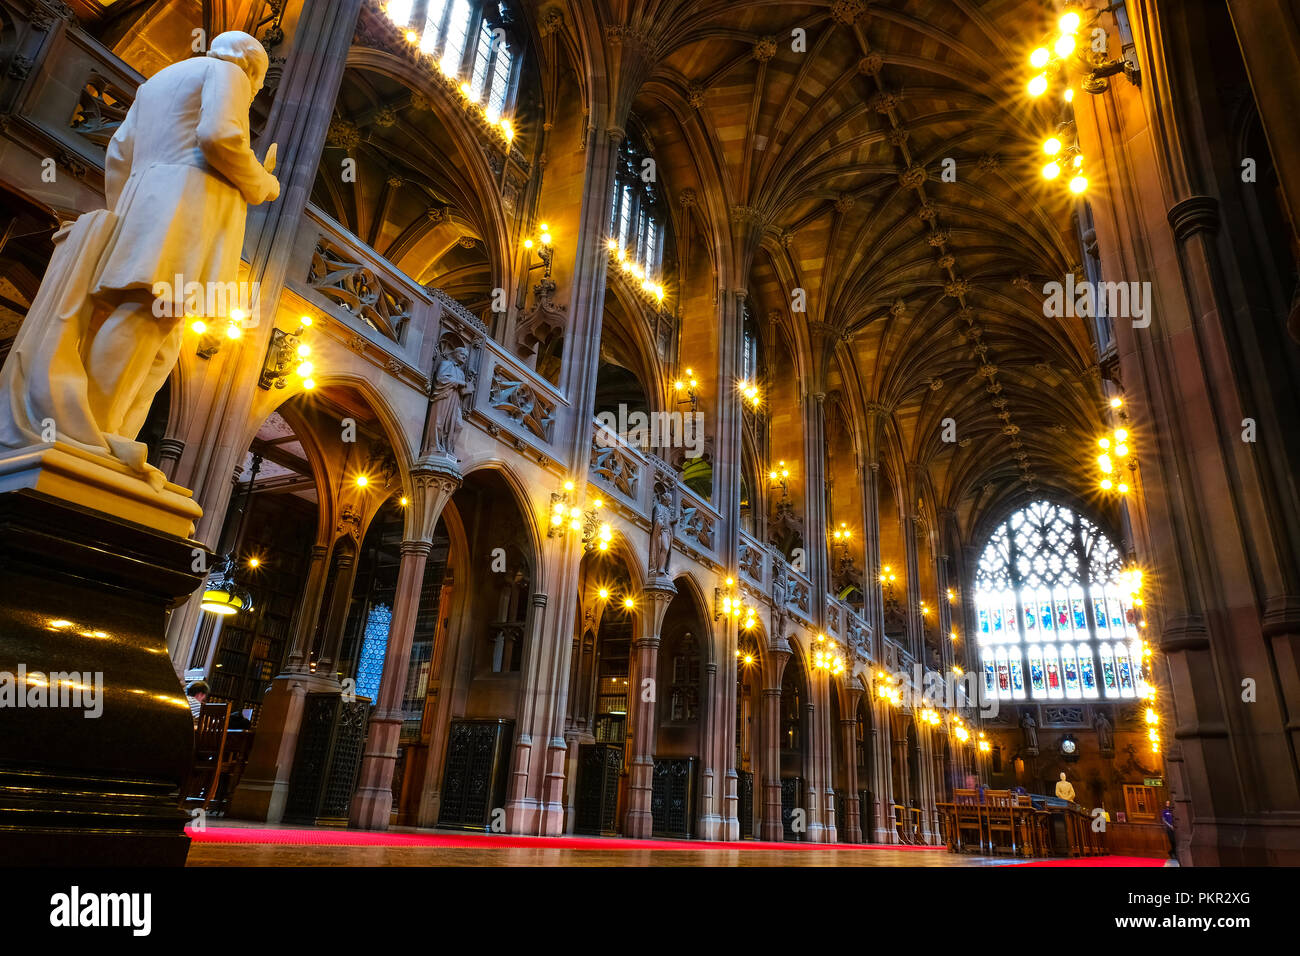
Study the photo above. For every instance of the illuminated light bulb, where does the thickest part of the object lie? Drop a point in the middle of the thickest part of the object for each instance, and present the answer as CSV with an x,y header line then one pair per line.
x,y
1051,170
603,593
1069,96
237,315
679,385
304,351
575,525
309,383
1103,442
1121,434
771,475
730,581
508,130
253,562
1051,146
528,243
726,605
412,36
606,531
1078,184
749,658
233,331
1121,451
1117,402
305,368
199,326
1038,59
612,245
546,238
1104,463
1069,23
629,603
568,486
464,89
1064,45
404,501
305,321
557,519
1123,488
1078,161
598,503
951,596
362,481
602,545
1106,484
1038,85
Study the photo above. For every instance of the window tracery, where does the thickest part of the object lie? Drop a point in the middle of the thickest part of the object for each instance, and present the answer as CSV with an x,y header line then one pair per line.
x,y
1054,621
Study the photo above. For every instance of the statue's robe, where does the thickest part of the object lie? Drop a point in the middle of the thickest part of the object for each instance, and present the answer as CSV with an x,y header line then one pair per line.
x,y
178,175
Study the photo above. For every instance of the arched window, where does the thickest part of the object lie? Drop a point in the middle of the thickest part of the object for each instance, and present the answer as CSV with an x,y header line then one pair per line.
x,y
466,39
635,216
1054,620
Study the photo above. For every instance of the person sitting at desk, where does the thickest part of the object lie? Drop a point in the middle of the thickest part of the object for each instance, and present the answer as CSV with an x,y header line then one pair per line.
x,y
196,693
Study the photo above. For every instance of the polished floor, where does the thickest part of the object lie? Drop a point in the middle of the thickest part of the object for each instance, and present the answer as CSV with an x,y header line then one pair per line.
x,y
234,844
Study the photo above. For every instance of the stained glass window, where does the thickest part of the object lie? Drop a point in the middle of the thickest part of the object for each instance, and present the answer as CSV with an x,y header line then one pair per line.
x,y
1051,612
374,644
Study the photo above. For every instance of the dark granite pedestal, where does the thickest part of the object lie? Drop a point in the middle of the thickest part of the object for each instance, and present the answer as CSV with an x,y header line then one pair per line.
x,y
94,780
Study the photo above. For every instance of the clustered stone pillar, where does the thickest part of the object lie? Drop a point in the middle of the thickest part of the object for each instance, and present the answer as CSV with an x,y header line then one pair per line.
x,y
773,669
372,804
850,695
644,693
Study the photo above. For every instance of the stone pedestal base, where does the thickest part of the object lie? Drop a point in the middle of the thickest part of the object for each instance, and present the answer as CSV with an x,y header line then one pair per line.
x,y
93,756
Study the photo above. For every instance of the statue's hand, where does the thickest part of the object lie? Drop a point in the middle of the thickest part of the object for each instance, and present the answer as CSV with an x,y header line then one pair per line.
x,y
272,189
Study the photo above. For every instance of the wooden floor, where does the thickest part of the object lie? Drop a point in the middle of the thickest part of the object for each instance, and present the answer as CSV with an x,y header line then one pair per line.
x,y
278,854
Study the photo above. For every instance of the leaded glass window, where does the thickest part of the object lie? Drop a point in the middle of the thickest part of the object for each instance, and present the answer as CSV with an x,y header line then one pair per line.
x,y
1054,622
374,644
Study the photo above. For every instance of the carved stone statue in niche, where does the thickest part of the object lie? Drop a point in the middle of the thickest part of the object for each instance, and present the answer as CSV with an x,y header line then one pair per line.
x,y
780,599
450,386
106,327
661,534
1105,733
1030,728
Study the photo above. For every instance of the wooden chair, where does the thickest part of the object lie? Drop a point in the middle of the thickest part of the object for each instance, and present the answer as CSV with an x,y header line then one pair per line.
x,y
1000,817
1027,825
967,817
902,824
209,750
234,757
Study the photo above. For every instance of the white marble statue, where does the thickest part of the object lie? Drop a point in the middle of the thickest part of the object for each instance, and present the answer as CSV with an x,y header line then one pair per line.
x,y
105,329
1065,789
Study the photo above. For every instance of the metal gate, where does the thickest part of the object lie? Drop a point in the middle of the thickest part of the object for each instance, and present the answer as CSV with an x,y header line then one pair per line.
x,y
595,800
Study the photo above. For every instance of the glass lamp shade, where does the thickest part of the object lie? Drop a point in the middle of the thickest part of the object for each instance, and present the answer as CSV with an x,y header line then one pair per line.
x,y
221,595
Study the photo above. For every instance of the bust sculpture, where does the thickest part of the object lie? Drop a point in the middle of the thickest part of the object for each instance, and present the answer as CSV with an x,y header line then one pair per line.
x,y
105,329
1064,789
450,386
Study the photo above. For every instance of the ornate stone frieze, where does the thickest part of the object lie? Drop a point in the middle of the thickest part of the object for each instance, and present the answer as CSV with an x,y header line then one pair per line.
x,y
614,468
521,404
336,274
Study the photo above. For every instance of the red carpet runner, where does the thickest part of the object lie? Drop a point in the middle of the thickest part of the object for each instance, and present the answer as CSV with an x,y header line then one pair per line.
x,y
480,841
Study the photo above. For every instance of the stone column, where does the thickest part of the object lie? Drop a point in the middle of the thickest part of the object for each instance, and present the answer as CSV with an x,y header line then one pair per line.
x,y
873,607
216,437
882,753
770,728
814,794
643,697
336,614
313,596
432,487
849,698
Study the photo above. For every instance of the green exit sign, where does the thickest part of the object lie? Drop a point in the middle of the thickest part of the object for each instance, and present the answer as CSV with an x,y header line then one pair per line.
x,y
1153,781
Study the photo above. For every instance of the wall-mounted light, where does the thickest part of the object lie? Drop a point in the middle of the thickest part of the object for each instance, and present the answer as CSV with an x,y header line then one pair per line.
x,y
750,392
544,243
288,355
780,475
568,516
827,656
687,390
212,337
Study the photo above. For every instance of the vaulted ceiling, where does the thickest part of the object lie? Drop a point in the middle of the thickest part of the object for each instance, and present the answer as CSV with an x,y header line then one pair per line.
x,y
932,290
